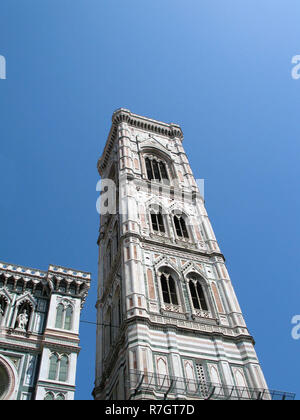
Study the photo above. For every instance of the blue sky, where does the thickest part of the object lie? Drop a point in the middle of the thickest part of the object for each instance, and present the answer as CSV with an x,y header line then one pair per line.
x,y
220,69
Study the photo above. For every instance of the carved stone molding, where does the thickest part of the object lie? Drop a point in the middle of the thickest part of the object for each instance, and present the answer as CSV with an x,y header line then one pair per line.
x,y
9,379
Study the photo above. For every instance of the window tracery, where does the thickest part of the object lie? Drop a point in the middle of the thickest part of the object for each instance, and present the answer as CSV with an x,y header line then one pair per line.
x,y
156,169
157,220
64,315
180,227
58,367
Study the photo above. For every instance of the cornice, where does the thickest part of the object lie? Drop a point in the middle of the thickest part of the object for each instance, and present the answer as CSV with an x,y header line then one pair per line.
x,y
20,341
122,341
53,385
183,249
123,115
45,277
83,275
167,246
18,271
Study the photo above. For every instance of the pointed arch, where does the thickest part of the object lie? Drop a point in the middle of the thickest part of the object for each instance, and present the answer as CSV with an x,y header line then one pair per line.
x,y
53,366
214,374
63,368
59,316
49,396
157,165
198,291
158,222
64,314
27,297
68,318
162,371
170,289
181,224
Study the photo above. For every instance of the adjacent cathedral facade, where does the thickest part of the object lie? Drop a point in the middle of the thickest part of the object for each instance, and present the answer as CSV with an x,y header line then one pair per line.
x,y
39,331
169,323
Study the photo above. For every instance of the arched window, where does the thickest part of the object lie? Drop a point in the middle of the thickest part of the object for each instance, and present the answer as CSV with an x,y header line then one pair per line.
x,y
157,220
63,368
53,368
60,397
180,227
197,294
59,316
49,396
64,315
156,170
168,288
162,369
58,368
68,318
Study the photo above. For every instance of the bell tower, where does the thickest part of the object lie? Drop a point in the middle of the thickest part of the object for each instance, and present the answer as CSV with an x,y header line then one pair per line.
x,y
169,323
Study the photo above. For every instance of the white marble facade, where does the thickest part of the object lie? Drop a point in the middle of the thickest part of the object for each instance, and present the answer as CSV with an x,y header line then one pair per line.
x,y
39,331
169,322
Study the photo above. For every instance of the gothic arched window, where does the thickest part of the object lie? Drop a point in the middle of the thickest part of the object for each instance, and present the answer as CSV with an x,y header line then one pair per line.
x,y
63,368
157,220
68,318
168,288
198,296
156,170
58,368
53,368
49,396
64,315
180,227
59,316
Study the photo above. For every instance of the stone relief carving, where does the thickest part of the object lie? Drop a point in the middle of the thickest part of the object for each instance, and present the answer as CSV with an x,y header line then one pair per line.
x,y
22,320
